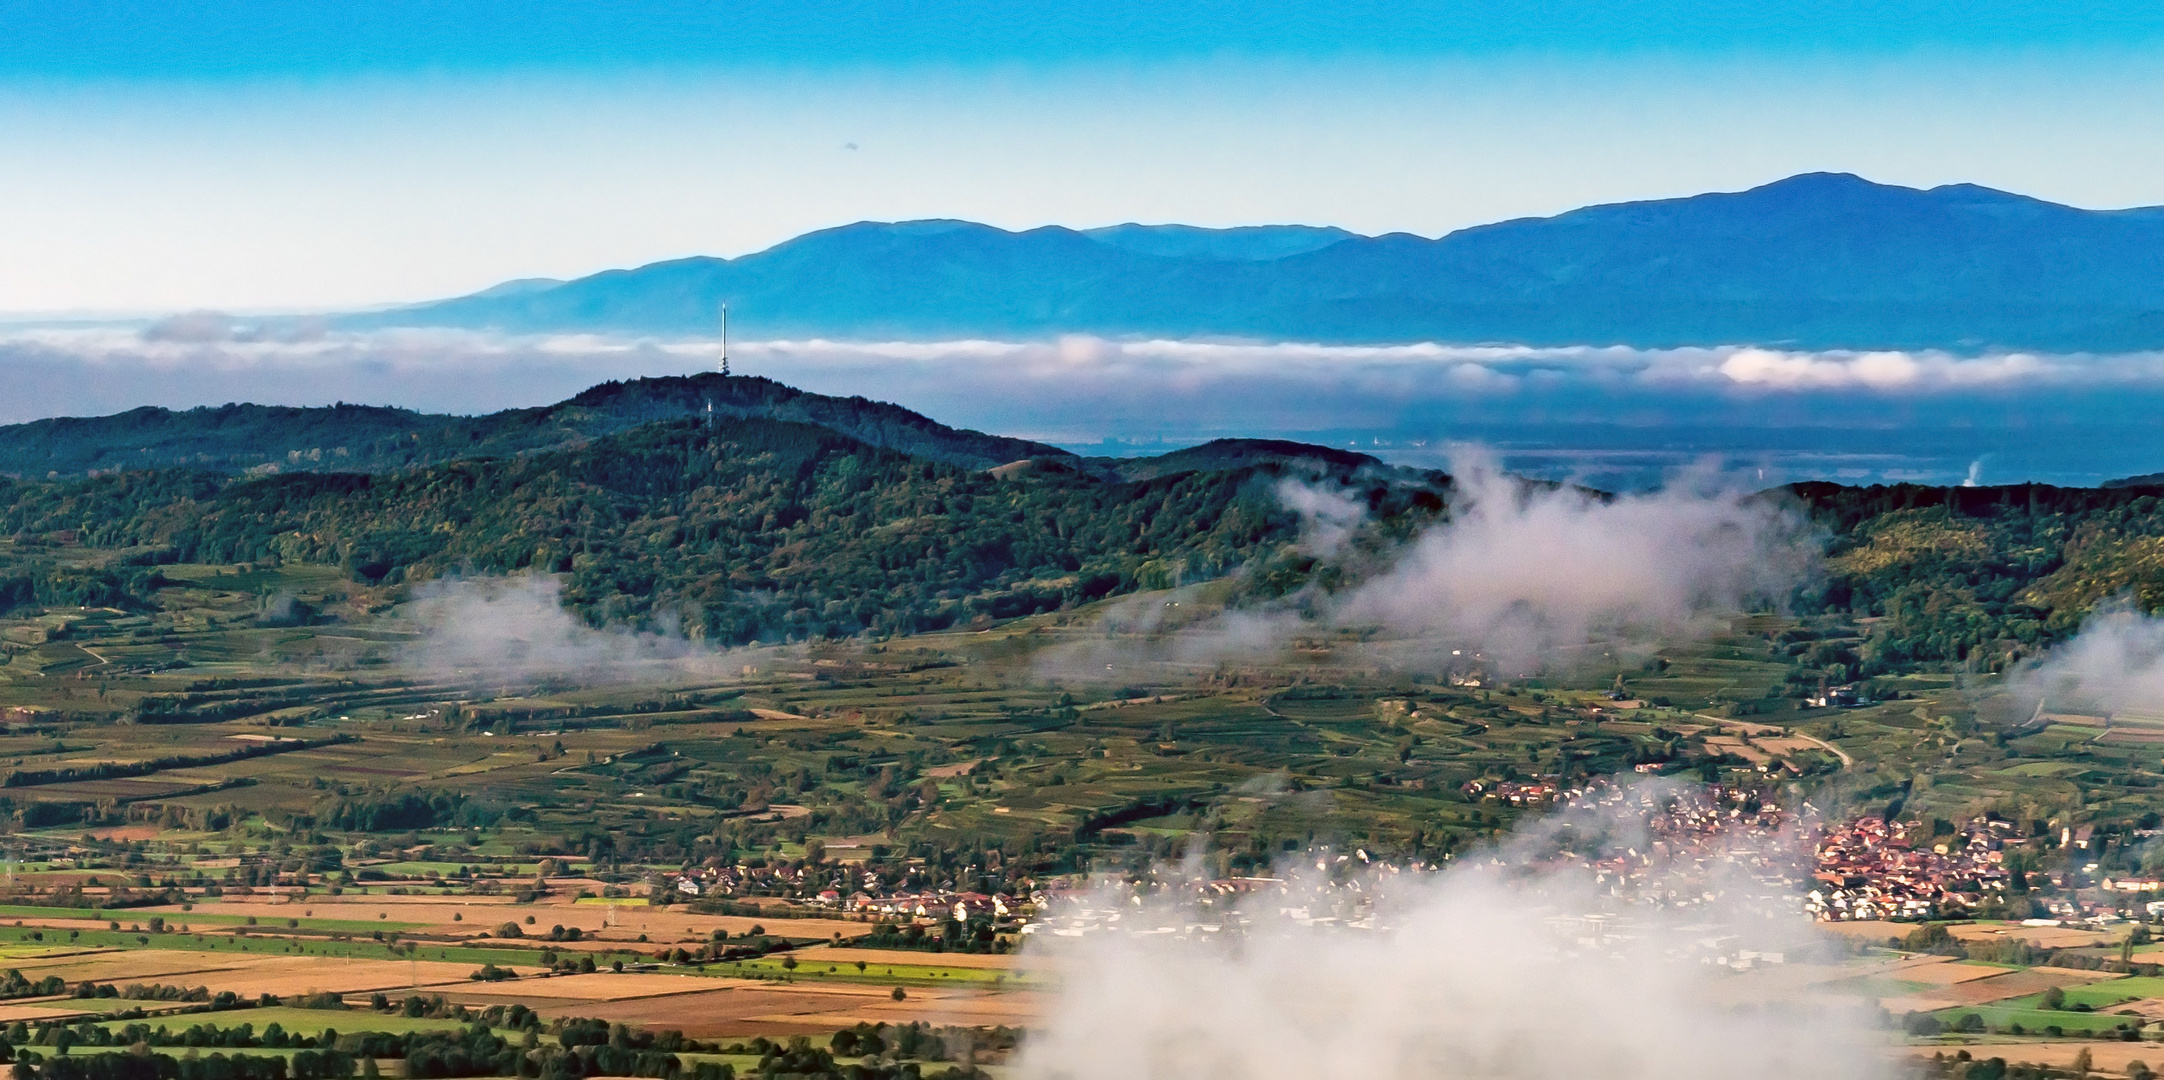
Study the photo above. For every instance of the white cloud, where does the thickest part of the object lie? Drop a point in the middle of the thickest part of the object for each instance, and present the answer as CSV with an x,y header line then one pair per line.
x,y
1883,370
1488,969
1394,400
1522,571
2116,663
1520,577
207,358
515,630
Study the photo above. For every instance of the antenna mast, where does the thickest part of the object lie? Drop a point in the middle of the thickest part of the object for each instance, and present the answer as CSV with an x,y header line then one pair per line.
x,y
725,337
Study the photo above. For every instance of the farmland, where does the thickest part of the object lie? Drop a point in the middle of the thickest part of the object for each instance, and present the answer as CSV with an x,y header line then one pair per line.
x,y
212,808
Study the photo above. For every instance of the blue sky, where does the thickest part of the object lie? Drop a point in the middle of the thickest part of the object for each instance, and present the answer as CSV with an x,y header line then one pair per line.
x,y
235,38
164,156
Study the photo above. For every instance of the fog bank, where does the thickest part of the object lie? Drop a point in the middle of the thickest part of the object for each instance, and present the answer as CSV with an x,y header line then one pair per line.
x,y
512,630
2115,664
1515,963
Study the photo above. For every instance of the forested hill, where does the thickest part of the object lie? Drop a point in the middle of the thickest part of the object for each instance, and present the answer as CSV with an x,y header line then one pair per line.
x,y
1976,576
737,530
357,438
742,527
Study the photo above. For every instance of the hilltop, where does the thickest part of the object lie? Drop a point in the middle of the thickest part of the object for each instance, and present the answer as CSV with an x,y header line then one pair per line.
x,y
358,438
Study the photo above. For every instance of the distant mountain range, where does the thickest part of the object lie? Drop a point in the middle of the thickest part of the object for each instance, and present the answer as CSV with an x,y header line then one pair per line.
x,y
1823,260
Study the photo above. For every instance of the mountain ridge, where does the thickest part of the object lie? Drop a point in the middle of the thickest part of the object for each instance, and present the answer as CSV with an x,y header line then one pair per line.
x,y
1820,260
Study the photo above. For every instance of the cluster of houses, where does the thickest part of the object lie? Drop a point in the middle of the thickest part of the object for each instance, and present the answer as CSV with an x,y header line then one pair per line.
x,y
1686,846
848,889
1538,791
1869,869
1697,845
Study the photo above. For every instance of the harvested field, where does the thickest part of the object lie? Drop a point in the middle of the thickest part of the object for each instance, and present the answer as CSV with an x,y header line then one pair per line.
x,y
250,975
2015,984
1012,1010
125,788
1779,981
33,1012
605,986
126,832
2123,737
827,954
788,928
144,966
2044,937
473,916
1901,1006
129,918
1789,747
2107,1057
1867,929
284,975
2149,1008
968,1009
751,1008
422,911
1942,971
1728,744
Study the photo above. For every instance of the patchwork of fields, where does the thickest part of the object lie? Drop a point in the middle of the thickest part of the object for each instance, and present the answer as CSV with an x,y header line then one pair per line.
x,y
200,801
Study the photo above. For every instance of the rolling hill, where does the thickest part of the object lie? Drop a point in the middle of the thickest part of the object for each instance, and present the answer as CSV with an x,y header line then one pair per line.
x,y
783,515
356,438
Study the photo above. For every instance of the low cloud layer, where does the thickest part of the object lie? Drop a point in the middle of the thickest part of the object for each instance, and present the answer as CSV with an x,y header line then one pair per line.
x,y
288,361
2115,664
206,358
1846,415
1514,964
515,630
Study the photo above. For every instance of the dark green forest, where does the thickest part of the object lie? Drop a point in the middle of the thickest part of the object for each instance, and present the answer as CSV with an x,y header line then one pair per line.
x,y
741,528
735,531
362,438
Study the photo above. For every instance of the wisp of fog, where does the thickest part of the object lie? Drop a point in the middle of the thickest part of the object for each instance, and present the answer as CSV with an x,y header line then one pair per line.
x,y
1521,571
1501,966
515,629
2115,664
1519,575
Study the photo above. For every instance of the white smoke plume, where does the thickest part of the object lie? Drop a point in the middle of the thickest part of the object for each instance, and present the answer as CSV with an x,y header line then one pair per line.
x,y
2115,664
515,630
1498,967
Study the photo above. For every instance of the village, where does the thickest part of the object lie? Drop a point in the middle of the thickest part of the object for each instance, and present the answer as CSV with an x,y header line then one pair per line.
x,y
1724,843
905,895
1870,870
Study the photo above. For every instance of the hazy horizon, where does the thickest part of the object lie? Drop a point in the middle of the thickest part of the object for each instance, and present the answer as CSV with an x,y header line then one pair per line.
x,y
1618,417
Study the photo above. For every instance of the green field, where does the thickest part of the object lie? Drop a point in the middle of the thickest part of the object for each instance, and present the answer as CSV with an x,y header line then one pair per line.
x,y
298,1021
